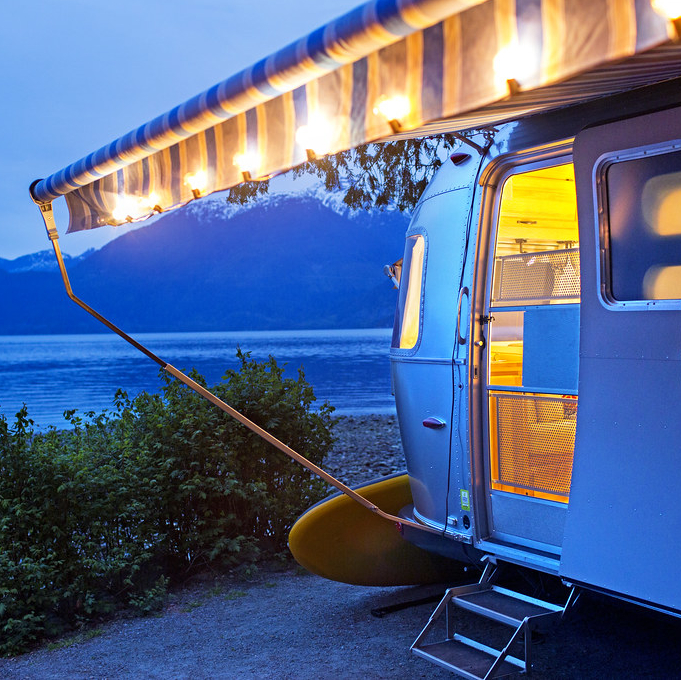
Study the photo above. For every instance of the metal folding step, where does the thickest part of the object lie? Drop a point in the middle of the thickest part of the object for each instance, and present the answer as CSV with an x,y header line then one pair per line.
x,y
469,658
508,607
477,661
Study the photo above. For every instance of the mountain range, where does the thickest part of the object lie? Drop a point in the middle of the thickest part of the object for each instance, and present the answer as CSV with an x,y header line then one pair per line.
x,y
288,261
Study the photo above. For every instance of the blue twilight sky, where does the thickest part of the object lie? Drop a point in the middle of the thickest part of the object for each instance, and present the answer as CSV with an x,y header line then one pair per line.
x,y
77,74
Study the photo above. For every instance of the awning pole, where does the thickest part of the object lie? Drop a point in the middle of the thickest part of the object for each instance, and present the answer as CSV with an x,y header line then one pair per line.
x,y
48,217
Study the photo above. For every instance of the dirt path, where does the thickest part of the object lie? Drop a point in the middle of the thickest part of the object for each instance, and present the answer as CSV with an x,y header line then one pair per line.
x,y
287,625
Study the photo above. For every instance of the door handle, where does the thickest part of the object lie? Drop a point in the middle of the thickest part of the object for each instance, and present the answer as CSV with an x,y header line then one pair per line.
x,y
460,338
434,423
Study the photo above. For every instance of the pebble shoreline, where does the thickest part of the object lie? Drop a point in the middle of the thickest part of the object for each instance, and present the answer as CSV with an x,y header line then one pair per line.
x,y
367,447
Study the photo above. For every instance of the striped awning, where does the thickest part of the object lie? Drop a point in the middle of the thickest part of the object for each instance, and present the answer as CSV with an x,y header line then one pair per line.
x,y
390,66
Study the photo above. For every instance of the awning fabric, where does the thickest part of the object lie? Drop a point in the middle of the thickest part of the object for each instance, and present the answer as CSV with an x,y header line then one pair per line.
x,y
452,59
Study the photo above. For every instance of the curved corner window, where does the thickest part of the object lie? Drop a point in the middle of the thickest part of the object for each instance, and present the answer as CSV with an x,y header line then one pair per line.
x,y
408,312
643,230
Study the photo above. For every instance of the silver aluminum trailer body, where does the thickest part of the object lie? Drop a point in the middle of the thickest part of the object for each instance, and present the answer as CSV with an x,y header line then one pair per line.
x,y
590,403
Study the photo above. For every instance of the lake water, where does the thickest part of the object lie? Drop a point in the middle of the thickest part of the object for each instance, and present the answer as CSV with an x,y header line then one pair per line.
x,y
52,373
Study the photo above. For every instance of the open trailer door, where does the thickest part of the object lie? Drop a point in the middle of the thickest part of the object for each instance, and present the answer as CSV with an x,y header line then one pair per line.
x,y
531,327
624,514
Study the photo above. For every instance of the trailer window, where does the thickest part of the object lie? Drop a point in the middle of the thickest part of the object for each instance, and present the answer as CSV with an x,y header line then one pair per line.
x,y
408,314
643,229
536,264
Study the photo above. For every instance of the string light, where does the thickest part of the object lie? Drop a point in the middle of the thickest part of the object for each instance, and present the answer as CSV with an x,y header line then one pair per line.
x,y
513,64
197,182
671,10
394,110
315,137
248,163
129,208
155,202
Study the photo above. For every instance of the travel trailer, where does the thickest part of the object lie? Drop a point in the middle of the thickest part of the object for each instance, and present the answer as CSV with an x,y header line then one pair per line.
x,y
535,361
536,354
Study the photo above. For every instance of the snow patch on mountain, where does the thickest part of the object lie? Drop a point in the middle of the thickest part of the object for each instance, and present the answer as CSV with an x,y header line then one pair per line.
x,y
217,207
212,208
42,261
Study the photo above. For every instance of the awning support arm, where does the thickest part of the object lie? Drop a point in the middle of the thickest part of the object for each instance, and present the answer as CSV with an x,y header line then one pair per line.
x,y
48,217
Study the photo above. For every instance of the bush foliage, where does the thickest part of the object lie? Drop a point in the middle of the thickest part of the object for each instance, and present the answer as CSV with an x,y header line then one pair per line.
x,y
104,514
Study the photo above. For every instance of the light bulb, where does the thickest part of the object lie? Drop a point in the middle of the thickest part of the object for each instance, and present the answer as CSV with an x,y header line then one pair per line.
x,y
249,161
514,63
130,208
196,181
669,9
127,208
393,108
316,136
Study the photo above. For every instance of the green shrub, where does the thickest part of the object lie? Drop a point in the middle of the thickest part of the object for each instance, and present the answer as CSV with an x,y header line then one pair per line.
x,y
104,514
151,600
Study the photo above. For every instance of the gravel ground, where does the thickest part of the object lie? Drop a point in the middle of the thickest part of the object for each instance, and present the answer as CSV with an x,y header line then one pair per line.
x,y
288,624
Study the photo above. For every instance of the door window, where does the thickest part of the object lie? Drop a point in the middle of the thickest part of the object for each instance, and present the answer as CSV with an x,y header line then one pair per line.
x,y
533,335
